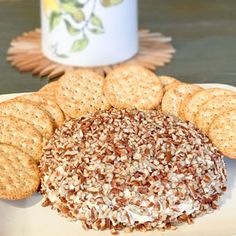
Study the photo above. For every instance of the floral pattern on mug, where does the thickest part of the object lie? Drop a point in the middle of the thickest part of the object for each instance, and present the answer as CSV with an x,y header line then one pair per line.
x,y
71,13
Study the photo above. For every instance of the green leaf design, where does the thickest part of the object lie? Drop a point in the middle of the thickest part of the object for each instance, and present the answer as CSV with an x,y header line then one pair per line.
x,y
110,3
74,2
78,16
96,21
96,31
80,44
70,29
74,9
54,20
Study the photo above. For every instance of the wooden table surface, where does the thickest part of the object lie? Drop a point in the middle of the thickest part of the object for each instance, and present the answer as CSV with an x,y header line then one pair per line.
x,y
203,32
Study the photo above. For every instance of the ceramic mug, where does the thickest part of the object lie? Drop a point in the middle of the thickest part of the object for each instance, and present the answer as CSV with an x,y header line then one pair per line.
x,y
89,32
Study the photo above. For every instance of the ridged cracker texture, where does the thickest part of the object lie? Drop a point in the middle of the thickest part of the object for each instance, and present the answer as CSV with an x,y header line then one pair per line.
x,y
222,132
21,134
19,174
192,103
48,104
133,87
29,112
80,92
213,108
49,88
173,97
168,82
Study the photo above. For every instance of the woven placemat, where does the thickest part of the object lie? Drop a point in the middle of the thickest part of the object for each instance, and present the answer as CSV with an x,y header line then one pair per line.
x,y
26,55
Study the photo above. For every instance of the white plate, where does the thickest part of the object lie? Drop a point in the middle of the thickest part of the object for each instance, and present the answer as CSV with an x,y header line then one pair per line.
x,y
28,218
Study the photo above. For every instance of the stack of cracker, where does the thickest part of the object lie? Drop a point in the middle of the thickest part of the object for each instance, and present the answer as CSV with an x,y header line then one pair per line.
x,y
26,123
211,110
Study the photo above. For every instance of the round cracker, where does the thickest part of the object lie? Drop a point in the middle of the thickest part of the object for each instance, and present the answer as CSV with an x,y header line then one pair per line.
x,y
222,132
213,108
48,104
80,92
133,87
19,174
67,117
49,88
168,82
192,103
21,134
172,85
47,95
30,113
173,97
